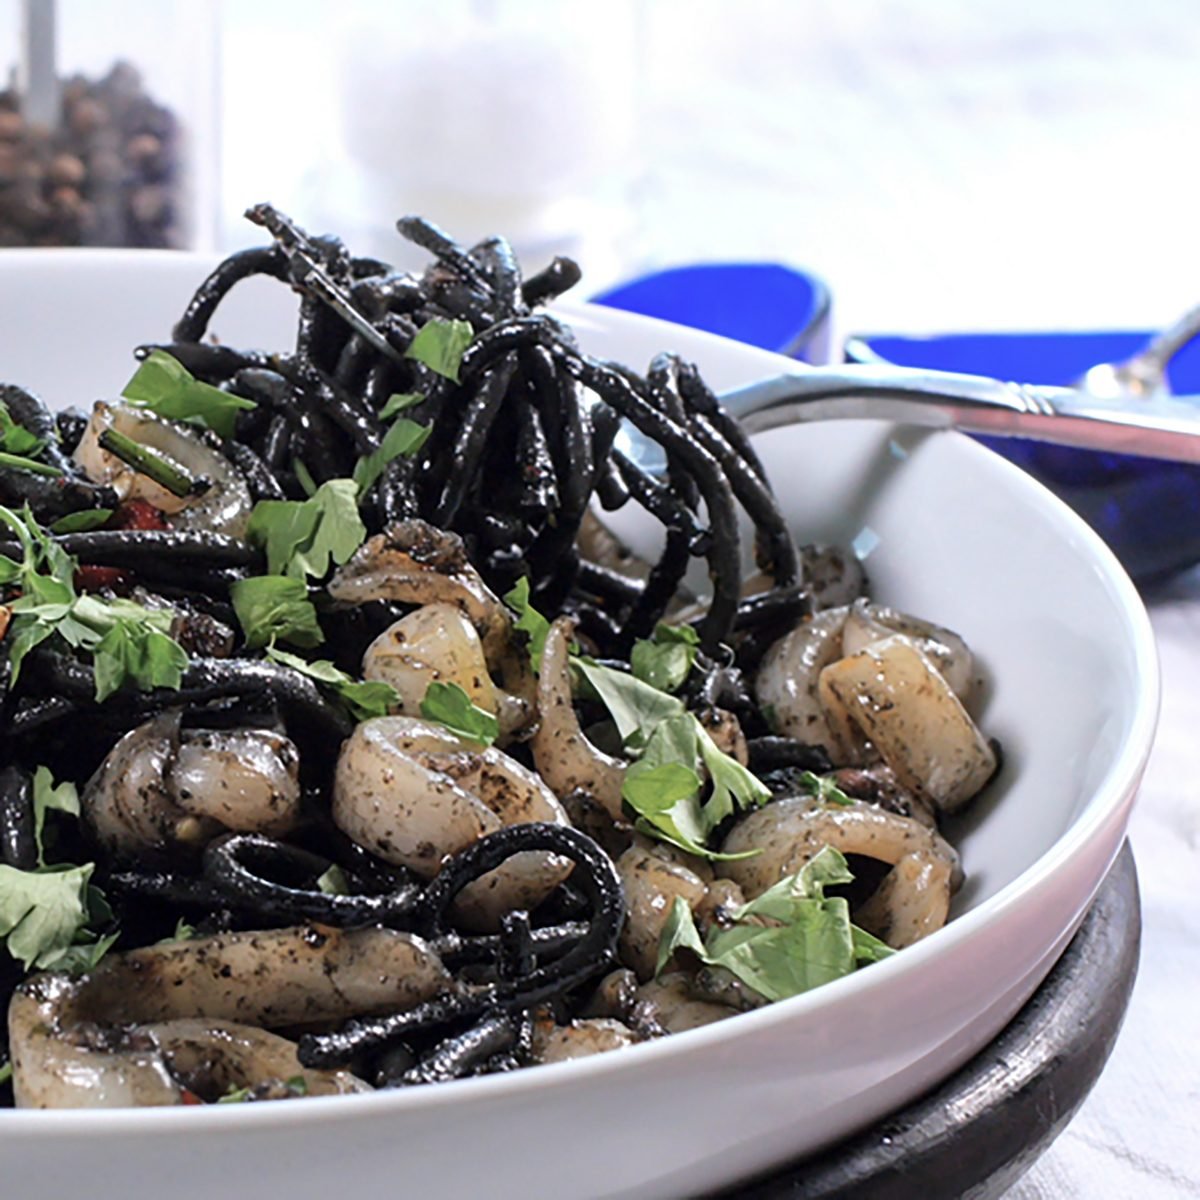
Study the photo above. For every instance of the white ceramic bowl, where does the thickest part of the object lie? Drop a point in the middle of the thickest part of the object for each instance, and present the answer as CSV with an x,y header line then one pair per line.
x,y
950,531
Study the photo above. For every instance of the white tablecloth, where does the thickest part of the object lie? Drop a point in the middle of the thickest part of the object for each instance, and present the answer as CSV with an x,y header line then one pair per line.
x,y
1136,1134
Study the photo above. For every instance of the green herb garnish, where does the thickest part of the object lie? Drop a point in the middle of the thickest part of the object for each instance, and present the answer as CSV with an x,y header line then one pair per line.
x,y
403,438
656,729
49,798
440,344
167,388
83,521
273,608
665,659
449,705
303,537
183,933
43,913
365,699
155,466
824,788
798,938
398,403
529,621
127,642
27,464
16,439
304,477
333,882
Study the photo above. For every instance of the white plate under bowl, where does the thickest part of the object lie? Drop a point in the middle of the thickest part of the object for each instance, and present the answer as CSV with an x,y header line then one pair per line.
x,y
950,531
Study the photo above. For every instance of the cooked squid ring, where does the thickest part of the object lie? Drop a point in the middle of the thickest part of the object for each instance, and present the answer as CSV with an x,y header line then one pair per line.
x,y
417,563
790,831
212,1058
945,649
69,1038
564,757
224,507
787,678
412,793
162,791
651,885
892,694
437,642
668,1005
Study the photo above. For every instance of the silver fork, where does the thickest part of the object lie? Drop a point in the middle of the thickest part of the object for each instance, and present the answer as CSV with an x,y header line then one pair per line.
x,y
1145,374
1155,427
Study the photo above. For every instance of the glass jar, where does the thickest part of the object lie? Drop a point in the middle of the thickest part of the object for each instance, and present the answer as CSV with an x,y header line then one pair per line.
x,y
107,124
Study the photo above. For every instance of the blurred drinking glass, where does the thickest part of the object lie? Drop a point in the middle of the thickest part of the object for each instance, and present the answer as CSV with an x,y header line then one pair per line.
x,y
489,116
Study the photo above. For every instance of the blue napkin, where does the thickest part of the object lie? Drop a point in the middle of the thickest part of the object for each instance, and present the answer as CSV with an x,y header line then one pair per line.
x,y
763,304
1148,511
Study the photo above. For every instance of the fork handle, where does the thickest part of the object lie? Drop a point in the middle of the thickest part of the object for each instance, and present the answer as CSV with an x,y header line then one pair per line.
x,y
1165,345
973,403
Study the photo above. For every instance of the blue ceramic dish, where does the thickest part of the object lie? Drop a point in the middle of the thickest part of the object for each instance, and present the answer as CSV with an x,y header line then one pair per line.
x,y
1148,511
763,304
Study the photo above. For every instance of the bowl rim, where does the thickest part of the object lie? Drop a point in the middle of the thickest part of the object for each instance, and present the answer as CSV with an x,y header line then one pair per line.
x,y
1108,802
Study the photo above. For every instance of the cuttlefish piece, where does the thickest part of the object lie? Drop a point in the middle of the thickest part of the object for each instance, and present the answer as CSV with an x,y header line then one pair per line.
x,y
789,832
413,793
105,1039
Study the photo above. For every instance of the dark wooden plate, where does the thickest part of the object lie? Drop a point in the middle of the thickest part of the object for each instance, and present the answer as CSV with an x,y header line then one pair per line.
x,y
977,1133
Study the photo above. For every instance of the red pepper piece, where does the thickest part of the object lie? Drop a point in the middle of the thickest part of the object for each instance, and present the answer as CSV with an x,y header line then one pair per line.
x,y
138,514
89,578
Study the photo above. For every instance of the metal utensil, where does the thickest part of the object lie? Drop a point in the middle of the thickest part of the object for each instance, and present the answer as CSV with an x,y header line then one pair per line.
x,y
1144,374
37,68
1155,427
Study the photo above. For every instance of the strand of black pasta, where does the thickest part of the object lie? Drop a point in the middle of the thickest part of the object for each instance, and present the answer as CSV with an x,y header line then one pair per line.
x,y
702,399
429,237
234,866
781,606
612,387
771,753
260,260
139,547
660,502
18,843
258,476
387,291
29,412
560,276
569,426
684,537
203,679
711,425
594,874
723,551
471,437
208,361
495,256
275,444
667,575
775,550
32,714
454,299
607,584
535,463
291,427
455,1057
334,403
354,362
